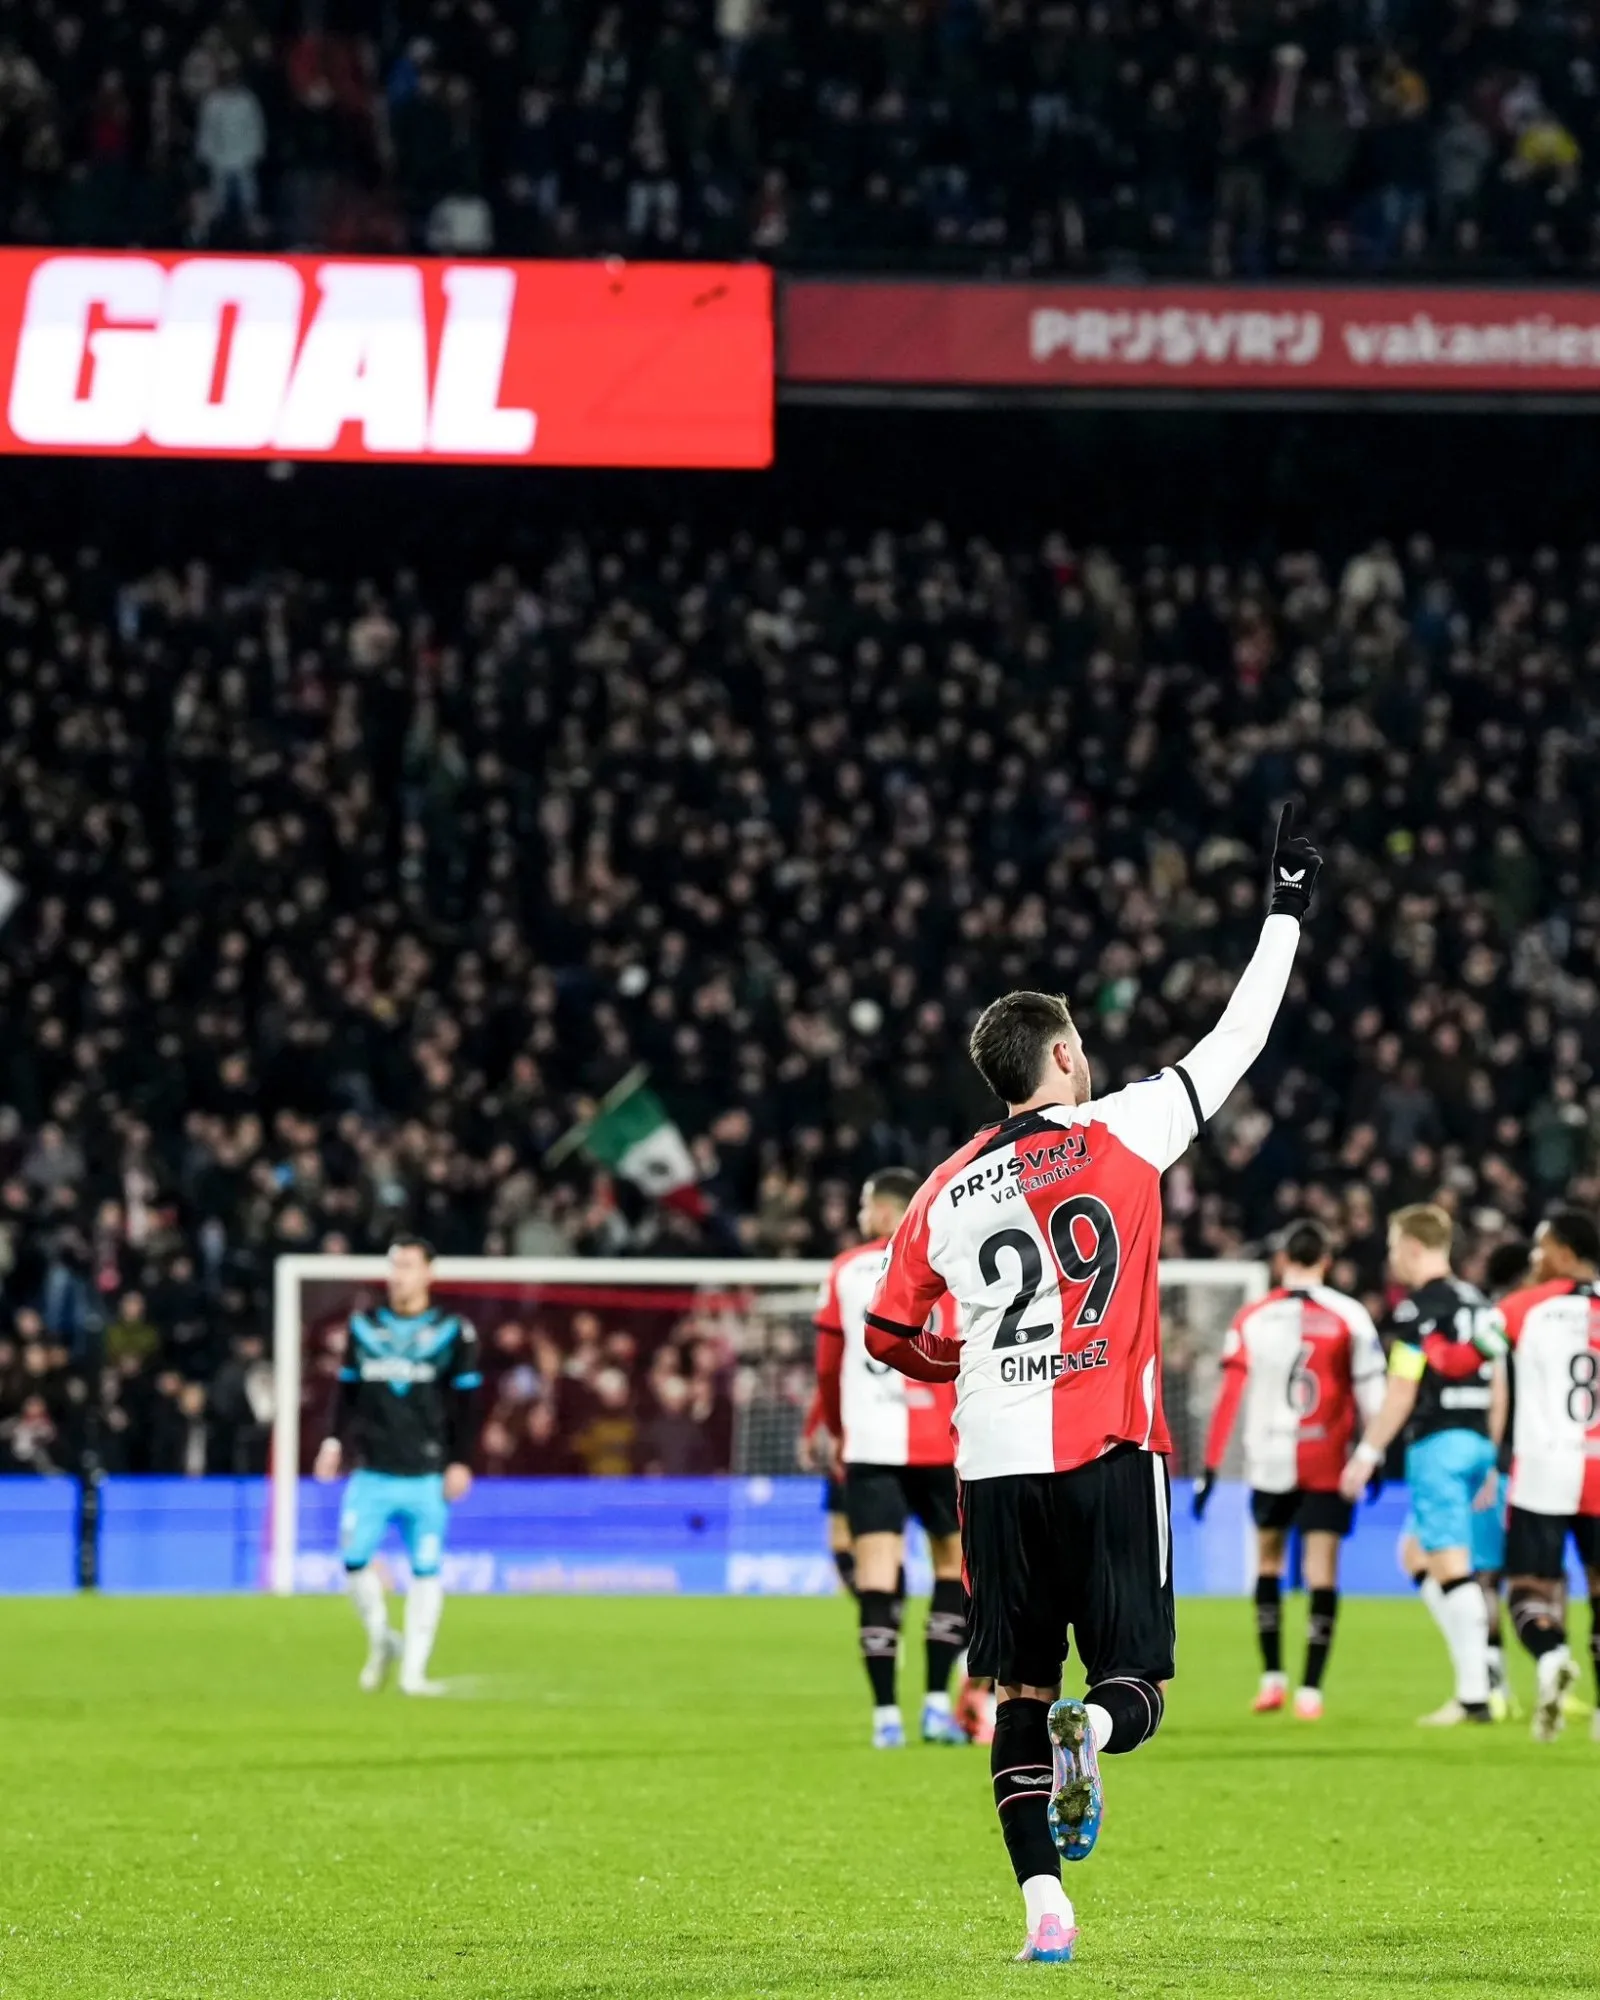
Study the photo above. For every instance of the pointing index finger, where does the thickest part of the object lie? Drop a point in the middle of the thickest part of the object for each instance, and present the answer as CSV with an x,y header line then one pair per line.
x,y
1285,823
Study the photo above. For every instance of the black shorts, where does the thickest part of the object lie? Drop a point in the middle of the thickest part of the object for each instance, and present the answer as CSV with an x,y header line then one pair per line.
x,y
833,1496
1536,1544
1311,1513
880,1499
1091,1549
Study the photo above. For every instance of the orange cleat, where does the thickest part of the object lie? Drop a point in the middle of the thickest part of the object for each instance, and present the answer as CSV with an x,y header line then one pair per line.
x,y
975,1709
1272,1693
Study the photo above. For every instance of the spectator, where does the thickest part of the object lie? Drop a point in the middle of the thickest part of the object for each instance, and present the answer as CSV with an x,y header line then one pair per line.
x,y
605,1445
230,143
994,139
242,1402
29,1439
773,818
181,1436
673,1442
1462,151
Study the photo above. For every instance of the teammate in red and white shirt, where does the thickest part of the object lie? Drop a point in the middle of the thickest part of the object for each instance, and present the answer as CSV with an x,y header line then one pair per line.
x,y
1553,1326
1307,1367
896,1454
1045,1229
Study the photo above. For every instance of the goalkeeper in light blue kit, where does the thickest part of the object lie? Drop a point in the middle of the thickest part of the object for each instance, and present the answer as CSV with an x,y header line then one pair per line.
x,y
403,1407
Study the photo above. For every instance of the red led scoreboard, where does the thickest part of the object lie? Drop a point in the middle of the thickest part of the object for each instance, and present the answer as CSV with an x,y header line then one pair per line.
x,y
386,359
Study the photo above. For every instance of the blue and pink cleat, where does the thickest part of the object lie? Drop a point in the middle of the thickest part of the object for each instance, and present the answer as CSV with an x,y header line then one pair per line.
x,y
1077,1801
888,1731
939,1725
1050,1942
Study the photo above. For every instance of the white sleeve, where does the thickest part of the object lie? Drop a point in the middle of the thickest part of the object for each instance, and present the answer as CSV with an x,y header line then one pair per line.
x,y
1369,1369
1158,1117
1153,1118
1217,1062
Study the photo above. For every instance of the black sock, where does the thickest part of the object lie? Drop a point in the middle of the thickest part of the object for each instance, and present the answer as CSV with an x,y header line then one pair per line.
x,y
1269,1619
879,1643
900,1597
946,1632
1538,1620
1135,1707
844,1561
1491,1598
1594,1640
1019,1763
1319,1634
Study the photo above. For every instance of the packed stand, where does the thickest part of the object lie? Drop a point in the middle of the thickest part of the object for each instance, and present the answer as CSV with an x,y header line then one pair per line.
x,y
592,1383
989,135
338,906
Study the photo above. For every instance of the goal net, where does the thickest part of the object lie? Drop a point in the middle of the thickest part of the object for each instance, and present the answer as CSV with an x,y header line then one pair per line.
x,y
640,1419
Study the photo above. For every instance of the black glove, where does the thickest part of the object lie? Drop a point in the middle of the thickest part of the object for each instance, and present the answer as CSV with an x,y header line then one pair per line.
x,y
1202,1493
1295,865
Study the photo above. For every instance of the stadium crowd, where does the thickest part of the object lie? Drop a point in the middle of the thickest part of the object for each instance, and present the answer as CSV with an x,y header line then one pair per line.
x,y
337,904
994,135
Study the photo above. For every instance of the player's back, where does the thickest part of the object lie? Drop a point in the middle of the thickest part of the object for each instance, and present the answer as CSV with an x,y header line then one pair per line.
x,y
1440,1321
1302,1351
887,1419
1046,1229
1554,1330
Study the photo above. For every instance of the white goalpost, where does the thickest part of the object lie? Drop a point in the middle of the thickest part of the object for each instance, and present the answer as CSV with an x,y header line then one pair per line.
x,y
751,1320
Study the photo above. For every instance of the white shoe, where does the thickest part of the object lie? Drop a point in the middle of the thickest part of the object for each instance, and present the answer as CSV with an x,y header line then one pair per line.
x,y
1449,1716
1558,1675
379,1661
419,1684
1308,1704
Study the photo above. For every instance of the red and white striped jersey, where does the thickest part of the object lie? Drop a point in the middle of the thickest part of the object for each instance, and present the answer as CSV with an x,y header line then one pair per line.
x,y
1307,1366
1554,1330
884,1419
1046,1231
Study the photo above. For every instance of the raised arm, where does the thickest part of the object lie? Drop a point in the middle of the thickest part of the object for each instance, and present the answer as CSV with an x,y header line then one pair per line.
x,y
1218,1061
1160,1116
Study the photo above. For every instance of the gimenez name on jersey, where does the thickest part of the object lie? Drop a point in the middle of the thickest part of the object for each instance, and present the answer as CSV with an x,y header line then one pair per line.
x,y
1051,1367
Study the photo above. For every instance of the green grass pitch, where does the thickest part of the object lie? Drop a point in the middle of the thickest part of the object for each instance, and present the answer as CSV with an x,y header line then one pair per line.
x,y
674,1798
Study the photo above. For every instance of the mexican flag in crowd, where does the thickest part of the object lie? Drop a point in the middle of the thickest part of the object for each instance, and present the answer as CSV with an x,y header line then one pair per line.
x,y
630,1132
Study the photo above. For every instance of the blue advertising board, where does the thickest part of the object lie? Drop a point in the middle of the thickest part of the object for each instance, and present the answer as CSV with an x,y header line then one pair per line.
x,y
38,1536
699,1537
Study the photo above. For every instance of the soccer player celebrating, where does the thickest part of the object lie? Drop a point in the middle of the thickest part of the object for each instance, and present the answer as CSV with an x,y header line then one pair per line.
x,y
1045,1229
1443,1362
403,1404
1554,1329
899,1460
1307,1365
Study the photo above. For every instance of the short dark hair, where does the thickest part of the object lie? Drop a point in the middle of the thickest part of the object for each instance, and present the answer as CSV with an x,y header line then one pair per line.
x,y
1576,1231
1012,1038
410,1242
1505,1266
1306,1242
897,1183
